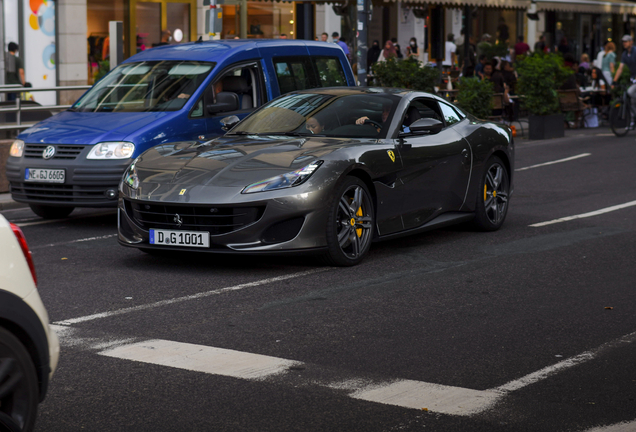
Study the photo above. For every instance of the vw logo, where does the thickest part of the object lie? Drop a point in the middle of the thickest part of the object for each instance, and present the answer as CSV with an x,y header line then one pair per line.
x,y
48,152
177,219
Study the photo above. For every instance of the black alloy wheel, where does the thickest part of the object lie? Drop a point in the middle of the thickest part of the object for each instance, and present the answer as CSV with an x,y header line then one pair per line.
x,y
51,212
492,199
18,385
350,224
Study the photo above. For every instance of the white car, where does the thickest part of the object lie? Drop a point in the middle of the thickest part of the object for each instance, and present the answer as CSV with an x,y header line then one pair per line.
x,y
29,348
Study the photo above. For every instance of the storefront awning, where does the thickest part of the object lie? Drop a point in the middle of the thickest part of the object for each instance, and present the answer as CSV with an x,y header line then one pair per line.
x,y
588,6
503,4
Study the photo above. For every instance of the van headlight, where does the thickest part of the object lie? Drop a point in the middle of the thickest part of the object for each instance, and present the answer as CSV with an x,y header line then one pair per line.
x,y
17,148
112,150
283,181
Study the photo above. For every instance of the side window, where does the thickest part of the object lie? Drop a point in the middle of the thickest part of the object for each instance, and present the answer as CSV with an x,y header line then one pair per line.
x,y
330,71
450,115
244,81
419,109
294,74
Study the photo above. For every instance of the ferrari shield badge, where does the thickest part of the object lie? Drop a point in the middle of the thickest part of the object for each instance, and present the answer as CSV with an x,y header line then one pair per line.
x,y
183,191
391,155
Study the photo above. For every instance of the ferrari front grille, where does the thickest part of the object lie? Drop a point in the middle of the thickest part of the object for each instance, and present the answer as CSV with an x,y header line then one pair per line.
x,y
214,219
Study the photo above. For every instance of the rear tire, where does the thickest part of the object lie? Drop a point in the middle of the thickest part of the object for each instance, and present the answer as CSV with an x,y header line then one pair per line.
x,y
350,225
618,122
19,394
492,197
51,212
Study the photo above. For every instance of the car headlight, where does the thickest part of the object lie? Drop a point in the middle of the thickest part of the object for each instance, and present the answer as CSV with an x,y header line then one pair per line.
x,y
282,181
130,177
17,148
112,150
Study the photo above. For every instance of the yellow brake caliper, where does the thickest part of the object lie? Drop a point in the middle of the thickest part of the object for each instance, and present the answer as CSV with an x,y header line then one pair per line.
x,y
485,192
359,230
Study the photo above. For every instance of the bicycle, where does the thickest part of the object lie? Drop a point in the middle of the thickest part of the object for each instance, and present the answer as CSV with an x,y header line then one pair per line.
x,y
620,116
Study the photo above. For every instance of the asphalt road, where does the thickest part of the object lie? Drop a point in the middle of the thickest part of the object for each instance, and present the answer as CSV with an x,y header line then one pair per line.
x,y
531,328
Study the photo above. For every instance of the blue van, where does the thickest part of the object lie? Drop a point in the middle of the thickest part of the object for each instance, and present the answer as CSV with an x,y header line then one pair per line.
x,y
165,94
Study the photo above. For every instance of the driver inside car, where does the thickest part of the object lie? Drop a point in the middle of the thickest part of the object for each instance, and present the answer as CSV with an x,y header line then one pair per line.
x,y
386,110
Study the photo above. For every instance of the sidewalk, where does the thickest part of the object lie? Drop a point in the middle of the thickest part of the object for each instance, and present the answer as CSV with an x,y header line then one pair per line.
x,y
6,203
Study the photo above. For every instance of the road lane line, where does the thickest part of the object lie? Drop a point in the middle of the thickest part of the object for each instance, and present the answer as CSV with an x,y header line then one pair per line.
x,y
200,358
75,241
582,155
50,221
565,364
618,427
187,298
586,215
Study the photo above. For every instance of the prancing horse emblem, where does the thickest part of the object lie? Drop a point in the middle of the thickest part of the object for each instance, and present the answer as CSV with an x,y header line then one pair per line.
x,y
48,152
391,155
177,219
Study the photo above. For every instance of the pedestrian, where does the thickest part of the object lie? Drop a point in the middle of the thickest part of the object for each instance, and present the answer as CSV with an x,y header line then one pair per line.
x,y
585,61
373,54
341,43
563,47
608,65
450,57
521,48
484,45
324,37
398,50
539,46
467,63
388,52
166,38
628,58
509,75
479,69
14,69
283,36
412,50
598,61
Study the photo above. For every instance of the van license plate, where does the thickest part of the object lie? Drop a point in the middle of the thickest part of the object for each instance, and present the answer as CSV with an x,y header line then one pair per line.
x,y
179,238
44,175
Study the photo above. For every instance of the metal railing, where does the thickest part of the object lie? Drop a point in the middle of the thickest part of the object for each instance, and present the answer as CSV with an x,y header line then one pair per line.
x,y
19,108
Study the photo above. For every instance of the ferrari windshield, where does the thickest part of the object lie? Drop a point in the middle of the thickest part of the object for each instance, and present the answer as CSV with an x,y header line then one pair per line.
x,y
145,86
352,115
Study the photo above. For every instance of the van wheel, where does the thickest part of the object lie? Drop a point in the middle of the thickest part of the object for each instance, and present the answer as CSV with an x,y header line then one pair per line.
x,y
50,212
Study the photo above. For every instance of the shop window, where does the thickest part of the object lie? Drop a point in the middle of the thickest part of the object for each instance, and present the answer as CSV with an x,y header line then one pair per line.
x,y
330,72
178,15
148,25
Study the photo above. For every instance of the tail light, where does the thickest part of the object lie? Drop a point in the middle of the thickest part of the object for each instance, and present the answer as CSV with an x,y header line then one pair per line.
x,y
25,250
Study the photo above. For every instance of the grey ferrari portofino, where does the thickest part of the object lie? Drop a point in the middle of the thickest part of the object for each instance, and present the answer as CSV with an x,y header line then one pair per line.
x,y
327,171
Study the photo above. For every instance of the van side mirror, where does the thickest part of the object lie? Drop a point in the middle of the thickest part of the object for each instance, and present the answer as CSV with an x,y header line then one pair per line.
x,y
229,122
225,102
426,126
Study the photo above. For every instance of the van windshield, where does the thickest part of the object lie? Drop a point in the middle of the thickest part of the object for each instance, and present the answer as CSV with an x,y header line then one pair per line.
x,y
145,86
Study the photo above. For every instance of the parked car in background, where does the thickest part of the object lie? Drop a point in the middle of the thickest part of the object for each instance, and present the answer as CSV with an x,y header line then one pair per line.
x,y
326,171
29,348
165,94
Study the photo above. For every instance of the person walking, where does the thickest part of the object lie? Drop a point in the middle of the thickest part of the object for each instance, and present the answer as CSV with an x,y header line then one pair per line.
x,y
373,54
608,64
628,58
412,50
341,43
14,69
388,52
450,59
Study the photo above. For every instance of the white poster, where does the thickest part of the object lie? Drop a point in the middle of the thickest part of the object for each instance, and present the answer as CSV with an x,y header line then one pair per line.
x,y
39,47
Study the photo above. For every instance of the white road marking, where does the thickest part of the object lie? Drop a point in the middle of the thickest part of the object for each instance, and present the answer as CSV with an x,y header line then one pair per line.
x,y
402,393
50,221
187,298
586,215
618,427
433,397
582,155
199,358
75,241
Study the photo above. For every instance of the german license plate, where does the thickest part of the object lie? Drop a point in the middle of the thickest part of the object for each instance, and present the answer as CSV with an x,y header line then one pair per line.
x,y
44,175
179,238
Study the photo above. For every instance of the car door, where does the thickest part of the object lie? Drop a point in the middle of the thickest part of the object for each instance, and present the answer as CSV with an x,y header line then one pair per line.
x,y
436,167
246,81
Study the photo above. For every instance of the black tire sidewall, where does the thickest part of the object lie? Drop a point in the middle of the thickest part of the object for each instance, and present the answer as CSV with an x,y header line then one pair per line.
x,y
17,351
51,212
334,255
481,220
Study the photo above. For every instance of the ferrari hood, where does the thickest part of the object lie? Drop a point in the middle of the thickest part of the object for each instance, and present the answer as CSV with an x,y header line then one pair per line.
x,y
232,161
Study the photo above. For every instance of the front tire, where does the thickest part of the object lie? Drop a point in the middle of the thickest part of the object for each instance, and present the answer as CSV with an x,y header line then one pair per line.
x,y
350,224
18,385
492,199
51,212
620,119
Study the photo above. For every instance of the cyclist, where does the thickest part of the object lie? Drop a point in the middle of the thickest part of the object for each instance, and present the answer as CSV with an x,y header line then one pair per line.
x,y
629,58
